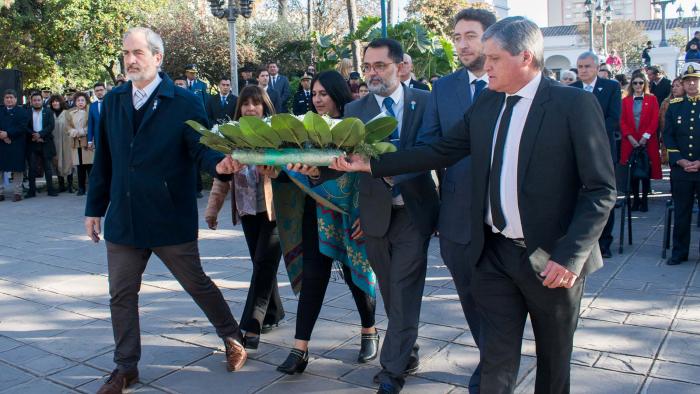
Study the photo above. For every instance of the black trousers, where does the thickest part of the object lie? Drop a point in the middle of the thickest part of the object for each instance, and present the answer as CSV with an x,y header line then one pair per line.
x,y
83,171
684,194
646,188
126,265
263,305
315,277
456,258
506,290
606,237
38,155
399,259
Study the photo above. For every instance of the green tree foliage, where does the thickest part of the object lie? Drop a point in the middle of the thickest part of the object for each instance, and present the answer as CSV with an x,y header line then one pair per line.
x,y
67,42
437,15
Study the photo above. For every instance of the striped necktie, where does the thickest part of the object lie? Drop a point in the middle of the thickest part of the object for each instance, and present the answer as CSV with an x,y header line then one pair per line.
x,y
139,98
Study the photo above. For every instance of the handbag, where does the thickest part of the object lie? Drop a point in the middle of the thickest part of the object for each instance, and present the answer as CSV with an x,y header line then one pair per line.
x,y
641,168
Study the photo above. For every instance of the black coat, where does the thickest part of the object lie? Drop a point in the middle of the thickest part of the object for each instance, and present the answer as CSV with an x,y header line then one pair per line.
x,y
147,178
218,113
566,182
661,89
275,99
46,133
16,123
412,83
301,103
609,96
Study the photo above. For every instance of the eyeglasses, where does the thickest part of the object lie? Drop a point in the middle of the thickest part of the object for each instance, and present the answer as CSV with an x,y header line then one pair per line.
x,y
377,67
567,79
638,83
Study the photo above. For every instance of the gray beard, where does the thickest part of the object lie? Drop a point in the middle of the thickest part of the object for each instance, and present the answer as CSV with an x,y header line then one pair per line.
x,y
383,88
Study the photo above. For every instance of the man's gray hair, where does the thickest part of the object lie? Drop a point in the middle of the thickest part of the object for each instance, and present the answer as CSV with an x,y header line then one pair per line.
x,y
568,74
591,55
155,43
516,34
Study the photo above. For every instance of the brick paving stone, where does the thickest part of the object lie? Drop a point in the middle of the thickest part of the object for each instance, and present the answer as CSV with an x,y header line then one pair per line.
x,y
639,331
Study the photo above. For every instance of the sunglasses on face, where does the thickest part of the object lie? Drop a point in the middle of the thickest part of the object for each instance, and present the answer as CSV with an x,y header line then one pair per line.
x,y
638,83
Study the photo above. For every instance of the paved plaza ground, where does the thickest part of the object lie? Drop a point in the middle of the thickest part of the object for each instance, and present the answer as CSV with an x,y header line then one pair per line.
x,y
639,331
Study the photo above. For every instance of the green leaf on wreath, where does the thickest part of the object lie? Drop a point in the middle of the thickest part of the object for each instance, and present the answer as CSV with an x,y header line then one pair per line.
x,y
259,133
319,132
348,133
384,147
198,127
234,134
290,129
380,129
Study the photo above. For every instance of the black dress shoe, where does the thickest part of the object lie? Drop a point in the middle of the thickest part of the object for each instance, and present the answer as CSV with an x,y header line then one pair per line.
x,y
268,327
386,388
368,347
251,341
412,367
81,192
53,194
673,261
30,195
296,362
606,253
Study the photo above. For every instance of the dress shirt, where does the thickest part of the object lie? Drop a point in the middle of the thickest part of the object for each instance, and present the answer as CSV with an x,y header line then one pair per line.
x,y
509,173
149,89
397,96
99,106
473,78
589,88
36,120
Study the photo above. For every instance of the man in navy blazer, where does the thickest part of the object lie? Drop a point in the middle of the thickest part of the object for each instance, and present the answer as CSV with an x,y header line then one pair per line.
x,y
607,92
94,113
144,172
452,95
280,83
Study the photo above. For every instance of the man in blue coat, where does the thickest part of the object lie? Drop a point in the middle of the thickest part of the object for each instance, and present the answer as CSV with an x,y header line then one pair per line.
x,y
195,85
607,93
144,171
14,123
94,113
450,98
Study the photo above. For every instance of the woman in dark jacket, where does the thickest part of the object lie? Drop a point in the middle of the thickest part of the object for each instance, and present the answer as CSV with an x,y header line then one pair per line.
x,y
327,236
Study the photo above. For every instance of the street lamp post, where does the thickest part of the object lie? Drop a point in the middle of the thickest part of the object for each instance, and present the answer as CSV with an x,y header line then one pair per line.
x,y
604,18
589,14
231,13
663,4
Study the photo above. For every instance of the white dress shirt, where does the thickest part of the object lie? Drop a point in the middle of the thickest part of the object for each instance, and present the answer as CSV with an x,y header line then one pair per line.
x,y
509,171
149,89
473,78
36,120
397,96
589,88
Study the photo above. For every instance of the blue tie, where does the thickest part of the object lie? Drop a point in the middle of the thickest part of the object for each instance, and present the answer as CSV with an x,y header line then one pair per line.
x,y
223,101
388,105
479,85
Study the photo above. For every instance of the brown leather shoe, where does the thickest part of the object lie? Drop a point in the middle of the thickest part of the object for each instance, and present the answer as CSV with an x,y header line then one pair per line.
x,y
118,381
17,197
236,354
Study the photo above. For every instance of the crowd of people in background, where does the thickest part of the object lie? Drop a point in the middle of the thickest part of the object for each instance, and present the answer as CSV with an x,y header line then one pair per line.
x,y
645,119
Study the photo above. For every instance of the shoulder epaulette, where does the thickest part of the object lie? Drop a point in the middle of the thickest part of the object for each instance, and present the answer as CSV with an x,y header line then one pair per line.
x,y
676,100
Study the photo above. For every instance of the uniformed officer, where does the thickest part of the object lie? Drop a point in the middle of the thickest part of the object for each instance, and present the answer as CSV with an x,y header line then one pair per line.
x,y
246,77
682,141
302,98
195,85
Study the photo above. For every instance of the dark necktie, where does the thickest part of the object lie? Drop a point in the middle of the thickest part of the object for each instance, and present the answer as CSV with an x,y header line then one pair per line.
x,y
223,102
389,106
395,136
273,82
479,85
497,216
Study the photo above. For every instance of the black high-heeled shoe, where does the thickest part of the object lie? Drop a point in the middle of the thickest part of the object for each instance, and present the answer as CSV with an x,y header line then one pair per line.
x,y
268,327
368,348
251,341
296,362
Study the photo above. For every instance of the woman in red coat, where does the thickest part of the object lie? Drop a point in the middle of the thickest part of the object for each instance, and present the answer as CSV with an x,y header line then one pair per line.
x,y
639,123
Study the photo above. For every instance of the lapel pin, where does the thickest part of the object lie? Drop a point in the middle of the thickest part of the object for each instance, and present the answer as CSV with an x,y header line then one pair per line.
x,y
155,105
413,105
599,89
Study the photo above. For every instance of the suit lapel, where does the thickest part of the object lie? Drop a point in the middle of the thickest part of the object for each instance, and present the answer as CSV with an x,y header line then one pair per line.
x,y
464,93
128,108
532,127
371,108
409,111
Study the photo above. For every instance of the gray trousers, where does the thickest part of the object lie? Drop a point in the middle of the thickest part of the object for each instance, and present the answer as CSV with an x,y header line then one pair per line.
x,y
399,259
456,258
126,265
